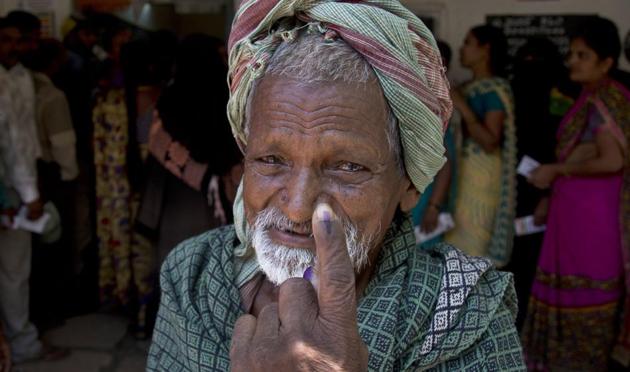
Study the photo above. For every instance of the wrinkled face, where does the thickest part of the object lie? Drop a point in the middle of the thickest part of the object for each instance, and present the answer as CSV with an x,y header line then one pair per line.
x,y
472,53
584,64
321,142
9,51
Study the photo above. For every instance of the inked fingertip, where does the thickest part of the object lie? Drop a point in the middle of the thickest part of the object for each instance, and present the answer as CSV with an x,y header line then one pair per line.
x,y
308,273
324,213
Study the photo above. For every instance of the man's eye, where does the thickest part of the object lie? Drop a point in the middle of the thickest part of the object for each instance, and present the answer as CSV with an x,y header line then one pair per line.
x,y
270,159
350,167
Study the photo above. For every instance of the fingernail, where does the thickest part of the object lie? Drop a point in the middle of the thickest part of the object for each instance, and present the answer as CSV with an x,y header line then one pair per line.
x,y
308,273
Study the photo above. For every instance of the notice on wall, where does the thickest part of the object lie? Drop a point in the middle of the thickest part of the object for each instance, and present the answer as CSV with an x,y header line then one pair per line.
x,y
520,28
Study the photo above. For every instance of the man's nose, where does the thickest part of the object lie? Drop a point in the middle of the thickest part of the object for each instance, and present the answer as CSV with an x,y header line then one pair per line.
x,y
301,193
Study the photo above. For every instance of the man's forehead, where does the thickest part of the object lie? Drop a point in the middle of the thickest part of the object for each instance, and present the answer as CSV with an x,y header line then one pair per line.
x,y
346,115
273,90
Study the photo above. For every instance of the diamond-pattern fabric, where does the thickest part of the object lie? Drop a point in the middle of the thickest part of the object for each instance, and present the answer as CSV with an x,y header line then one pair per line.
x,y
436,310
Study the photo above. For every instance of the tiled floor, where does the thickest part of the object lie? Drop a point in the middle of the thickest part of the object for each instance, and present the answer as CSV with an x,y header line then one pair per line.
x,y
98,343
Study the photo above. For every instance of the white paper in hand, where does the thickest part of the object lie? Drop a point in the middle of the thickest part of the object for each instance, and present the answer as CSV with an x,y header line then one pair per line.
x,y
527,166
525,226
21,221
445,223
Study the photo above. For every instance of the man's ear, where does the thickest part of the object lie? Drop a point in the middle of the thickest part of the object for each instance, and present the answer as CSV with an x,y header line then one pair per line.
x,y
409,197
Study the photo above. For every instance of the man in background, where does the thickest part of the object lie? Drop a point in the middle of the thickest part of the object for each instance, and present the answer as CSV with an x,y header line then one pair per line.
x,y
19,151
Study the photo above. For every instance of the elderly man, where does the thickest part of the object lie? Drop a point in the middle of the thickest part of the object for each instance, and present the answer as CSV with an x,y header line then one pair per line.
x,y
339,109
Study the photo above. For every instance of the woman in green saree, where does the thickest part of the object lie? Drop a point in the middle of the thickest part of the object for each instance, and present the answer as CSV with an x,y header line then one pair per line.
x,y
486,183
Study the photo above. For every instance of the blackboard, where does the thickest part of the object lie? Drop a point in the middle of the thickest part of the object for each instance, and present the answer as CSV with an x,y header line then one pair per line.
x,y
519,28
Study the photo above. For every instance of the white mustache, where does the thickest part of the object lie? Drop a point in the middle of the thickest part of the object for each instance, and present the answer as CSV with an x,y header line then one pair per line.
x,y
274,218
358,245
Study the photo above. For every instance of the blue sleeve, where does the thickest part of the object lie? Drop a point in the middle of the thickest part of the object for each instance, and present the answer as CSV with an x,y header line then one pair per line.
x,y
483,103
492,102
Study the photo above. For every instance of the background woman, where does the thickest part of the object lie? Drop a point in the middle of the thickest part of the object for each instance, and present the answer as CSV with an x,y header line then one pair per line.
x,y
485,201
192,150
573,310
543,94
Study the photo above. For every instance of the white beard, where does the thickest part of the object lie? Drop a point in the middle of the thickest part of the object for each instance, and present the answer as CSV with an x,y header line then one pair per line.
x,y
280,263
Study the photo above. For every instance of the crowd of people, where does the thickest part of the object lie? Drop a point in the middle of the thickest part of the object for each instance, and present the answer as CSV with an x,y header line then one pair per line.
x,y
120,137
573,118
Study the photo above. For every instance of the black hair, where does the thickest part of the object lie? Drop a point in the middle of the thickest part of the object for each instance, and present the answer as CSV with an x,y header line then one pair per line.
x,y
47,52
193,106
601,35
7,23
26,22
494,37
445,51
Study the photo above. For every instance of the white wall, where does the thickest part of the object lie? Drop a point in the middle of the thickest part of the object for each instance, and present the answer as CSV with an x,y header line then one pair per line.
x,y
61,8
456,17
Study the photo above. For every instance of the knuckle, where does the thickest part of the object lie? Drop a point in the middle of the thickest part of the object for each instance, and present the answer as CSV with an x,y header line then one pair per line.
x,y
340,278
294,285
269,311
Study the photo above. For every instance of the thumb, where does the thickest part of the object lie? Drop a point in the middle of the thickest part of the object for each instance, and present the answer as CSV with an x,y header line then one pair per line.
x,y
334,270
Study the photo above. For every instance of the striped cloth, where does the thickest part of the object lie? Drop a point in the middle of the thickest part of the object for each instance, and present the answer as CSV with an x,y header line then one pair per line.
x,y
395,42
399,47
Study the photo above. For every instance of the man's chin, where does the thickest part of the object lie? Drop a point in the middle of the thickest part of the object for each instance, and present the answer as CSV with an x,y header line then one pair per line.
x,y
292,265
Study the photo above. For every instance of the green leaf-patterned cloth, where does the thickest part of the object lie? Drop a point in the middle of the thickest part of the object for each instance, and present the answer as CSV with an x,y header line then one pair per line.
x,y
435,310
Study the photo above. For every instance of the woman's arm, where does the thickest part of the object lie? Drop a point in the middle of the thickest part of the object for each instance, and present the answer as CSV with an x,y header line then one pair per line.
x,y
175,157
486,133
609,160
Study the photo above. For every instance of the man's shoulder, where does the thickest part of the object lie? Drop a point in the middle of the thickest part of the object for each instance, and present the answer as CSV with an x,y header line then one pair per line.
x,y
199,249
472,296
44,86
198,264
469,274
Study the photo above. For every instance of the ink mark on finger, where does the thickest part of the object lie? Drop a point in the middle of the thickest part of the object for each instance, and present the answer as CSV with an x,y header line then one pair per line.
x,y
326,219
308,273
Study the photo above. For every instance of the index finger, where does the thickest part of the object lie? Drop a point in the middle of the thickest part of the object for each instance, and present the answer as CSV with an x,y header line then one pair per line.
x,y
336,288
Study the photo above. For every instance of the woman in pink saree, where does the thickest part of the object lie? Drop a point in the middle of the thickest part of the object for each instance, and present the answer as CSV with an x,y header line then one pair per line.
x,y
581,283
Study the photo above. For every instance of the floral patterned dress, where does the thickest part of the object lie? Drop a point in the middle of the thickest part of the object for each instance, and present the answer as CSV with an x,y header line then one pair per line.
x,y
125,257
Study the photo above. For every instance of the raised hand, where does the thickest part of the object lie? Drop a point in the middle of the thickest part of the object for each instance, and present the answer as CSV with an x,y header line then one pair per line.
x,y
307,330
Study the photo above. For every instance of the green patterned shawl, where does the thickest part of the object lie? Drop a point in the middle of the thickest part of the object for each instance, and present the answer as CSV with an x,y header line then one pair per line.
x,y
436,310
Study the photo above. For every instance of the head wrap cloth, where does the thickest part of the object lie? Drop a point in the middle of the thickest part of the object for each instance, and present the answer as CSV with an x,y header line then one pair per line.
x,y
399,47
